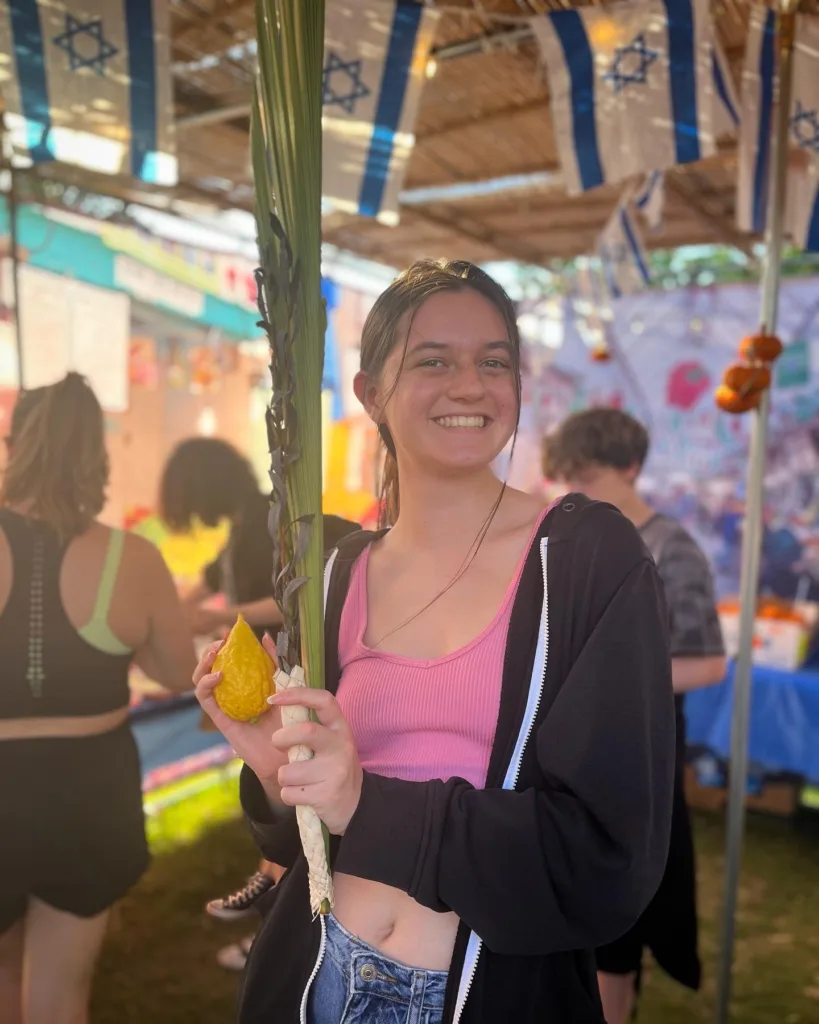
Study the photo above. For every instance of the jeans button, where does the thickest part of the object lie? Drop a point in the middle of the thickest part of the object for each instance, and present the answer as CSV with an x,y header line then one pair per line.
x,y
368,972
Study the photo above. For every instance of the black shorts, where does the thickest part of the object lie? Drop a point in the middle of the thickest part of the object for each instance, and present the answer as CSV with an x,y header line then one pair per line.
x,y
71,821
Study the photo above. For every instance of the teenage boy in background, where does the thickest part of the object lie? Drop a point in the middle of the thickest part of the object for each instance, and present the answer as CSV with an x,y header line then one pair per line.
x,y
600,453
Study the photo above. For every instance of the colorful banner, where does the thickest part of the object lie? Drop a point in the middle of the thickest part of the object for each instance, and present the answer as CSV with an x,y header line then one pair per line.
x,y
669,353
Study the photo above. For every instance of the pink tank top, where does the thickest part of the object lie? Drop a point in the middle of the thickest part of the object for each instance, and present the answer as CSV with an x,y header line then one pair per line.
x,y
420,720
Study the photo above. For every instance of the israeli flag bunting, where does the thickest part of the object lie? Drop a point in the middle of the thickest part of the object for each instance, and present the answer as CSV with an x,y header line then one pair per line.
x,y
622,255
802,187
650,199
726,107
87,82
375,56
631,85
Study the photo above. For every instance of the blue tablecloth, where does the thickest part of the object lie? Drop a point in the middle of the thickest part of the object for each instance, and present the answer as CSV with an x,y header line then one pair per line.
x,y
784,720
167,732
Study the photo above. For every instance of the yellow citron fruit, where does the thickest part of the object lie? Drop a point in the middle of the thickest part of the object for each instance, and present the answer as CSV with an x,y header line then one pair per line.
x,y
247,674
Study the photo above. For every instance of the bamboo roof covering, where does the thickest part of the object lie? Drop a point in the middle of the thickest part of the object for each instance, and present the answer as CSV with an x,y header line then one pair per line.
x,y
484,115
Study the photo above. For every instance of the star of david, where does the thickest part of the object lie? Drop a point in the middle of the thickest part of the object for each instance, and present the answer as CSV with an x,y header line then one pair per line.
x,y
93,49
631,64
805,127
352,88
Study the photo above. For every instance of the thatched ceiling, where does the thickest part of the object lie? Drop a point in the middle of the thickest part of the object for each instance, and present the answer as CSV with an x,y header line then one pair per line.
x,y
484,115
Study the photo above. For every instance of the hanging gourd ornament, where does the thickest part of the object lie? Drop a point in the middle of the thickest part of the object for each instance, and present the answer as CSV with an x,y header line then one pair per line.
x,y
734,401
760,348
744,378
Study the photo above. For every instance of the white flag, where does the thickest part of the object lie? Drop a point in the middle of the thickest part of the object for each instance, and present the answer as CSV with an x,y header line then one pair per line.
x,y
650,199
622,255
802,187
631,87
375,55
87,82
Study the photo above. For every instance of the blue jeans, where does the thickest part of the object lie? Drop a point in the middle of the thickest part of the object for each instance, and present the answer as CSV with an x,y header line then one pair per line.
x,y
357,985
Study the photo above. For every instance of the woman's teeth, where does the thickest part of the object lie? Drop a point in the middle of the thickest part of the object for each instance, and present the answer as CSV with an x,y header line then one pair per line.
x,y
461,421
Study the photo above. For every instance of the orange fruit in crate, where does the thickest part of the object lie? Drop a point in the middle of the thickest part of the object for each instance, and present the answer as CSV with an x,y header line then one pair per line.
x,y
247,674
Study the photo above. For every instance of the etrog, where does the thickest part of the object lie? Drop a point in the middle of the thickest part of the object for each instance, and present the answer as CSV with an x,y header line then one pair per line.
x,y
247,674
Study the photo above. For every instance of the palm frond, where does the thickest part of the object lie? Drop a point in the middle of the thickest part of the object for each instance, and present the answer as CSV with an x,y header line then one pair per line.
x,y
286,149
286,144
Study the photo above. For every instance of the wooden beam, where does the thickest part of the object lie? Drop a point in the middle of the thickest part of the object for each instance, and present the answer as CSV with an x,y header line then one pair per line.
x,y
476,232
708,215
140,192
503,114
211,21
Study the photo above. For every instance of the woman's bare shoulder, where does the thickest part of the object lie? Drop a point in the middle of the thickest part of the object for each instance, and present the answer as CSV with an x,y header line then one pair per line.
x,y
142,561
521,509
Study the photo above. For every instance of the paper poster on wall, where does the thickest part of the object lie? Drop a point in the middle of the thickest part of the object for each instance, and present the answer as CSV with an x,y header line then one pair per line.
x,y
45,328
66,325
100,342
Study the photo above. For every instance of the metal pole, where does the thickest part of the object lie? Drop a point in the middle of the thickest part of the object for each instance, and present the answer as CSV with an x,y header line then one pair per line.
x,y
752,534
11,206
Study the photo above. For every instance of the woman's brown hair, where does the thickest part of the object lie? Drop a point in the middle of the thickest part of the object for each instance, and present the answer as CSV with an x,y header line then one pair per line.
x,y
58,465
379,336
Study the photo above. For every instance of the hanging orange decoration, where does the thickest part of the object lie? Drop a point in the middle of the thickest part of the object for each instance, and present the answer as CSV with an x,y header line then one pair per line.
x,y
601,354
745,378
734,402
761,348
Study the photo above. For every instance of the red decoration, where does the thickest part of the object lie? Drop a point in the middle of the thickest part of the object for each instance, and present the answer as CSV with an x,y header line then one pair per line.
x,y
686,385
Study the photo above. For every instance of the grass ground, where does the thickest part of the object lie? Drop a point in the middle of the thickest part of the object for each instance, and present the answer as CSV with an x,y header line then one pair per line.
x,y
158,963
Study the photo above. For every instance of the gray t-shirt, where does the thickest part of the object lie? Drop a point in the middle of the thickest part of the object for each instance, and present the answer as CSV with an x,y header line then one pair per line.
x,y
689,588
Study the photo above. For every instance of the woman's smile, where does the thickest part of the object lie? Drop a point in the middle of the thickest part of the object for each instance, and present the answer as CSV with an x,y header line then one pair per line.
x,y
462,422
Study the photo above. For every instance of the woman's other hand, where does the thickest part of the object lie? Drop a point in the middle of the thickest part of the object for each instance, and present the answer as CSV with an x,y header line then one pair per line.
x,y
331,780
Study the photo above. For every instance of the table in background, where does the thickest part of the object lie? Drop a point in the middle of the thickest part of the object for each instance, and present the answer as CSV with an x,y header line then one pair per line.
x,y
784,728
170,742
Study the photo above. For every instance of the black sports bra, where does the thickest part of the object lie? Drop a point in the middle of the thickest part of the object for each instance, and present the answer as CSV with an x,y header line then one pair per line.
x,y
48,668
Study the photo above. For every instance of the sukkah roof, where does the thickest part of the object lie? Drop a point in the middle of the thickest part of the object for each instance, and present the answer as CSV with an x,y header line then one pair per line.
x,y
483,116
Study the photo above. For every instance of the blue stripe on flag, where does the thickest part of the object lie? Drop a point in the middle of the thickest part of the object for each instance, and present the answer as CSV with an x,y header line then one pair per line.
x,y
766,74
652,181
397,66
722,89
634,245
29,58
682,78
139,27
571,32
812,241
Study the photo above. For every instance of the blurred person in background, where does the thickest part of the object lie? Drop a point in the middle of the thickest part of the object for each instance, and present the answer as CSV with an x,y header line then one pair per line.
x,y
78,603
600,453
209,480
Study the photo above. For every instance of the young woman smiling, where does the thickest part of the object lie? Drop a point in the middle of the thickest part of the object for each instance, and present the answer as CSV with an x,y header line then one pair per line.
x,y
494,749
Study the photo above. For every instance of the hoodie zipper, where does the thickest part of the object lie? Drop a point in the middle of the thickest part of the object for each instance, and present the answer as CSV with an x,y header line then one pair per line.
x,y
475,944
544,660
316,969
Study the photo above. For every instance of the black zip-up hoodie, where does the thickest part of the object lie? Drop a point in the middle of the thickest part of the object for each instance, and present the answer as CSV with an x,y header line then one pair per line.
x,y
565,846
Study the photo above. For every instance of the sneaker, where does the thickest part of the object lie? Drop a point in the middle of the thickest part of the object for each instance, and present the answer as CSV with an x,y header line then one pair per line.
x,y
242,903
234,957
